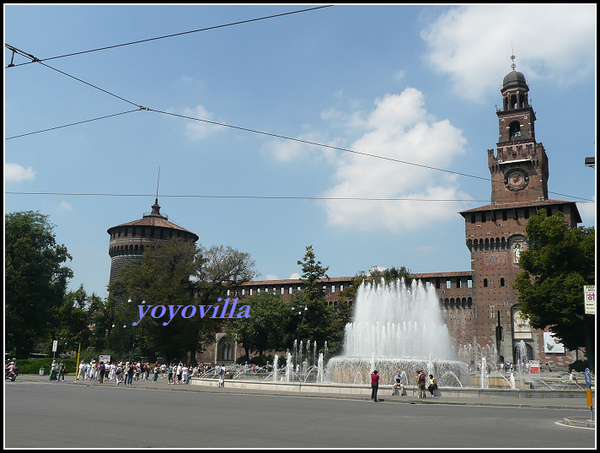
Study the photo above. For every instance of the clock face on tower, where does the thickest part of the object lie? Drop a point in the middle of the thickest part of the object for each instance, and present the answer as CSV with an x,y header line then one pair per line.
x,y
516,179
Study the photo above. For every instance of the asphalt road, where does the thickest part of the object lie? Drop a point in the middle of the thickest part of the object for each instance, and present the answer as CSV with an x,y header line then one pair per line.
x,y
44,414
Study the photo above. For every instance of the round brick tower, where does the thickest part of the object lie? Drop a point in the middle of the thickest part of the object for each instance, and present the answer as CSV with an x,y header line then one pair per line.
x,y
128,240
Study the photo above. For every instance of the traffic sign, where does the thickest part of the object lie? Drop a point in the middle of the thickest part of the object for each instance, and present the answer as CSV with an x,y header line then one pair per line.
x,y
589,300
588,377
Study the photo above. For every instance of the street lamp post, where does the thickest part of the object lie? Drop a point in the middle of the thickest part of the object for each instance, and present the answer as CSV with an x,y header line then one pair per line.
x,y
133,344
300,311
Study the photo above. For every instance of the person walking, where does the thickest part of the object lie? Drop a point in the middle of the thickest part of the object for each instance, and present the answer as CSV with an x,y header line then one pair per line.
x,y
61,370
222,376
53,368
170,375
118,373
184,373
179,371
129,374
374,385
101,371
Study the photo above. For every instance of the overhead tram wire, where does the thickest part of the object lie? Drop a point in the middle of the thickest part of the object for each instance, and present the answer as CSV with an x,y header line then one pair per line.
x,y
72,124
308,142
140,107
243,197
269,134
172,35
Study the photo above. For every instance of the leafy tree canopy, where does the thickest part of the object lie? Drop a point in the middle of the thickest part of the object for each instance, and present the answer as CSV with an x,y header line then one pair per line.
x,y
558,263
176,273
265,329
35,280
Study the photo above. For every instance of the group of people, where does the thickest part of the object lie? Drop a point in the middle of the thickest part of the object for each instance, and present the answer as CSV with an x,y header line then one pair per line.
x,y
422,381
128,372
57,371
398,385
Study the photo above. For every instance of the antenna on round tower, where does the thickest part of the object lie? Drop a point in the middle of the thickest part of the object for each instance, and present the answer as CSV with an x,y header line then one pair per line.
x,y
157,184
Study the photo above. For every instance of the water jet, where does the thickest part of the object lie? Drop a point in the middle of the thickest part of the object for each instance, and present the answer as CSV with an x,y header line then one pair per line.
x,y
396,327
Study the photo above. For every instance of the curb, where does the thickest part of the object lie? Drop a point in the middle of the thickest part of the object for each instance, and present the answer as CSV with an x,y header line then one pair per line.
x,y
581,423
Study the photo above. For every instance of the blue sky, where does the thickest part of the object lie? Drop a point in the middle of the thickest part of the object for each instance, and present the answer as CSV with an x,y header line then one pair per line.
x,y
327,89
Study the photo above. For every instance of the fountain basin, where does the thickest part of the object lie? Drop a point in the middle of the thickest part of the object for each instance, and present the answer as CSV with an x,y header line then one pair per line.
x,y
363,390
357,370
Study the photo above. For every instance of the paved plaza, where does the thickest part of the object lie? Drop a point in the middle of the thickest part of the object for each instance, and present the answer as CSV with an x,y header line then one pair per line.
x,y
88,414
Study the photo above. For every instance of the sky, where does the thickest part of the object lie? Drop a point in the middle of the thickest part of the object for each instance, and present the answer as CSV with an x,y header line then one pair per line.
x,y
359,130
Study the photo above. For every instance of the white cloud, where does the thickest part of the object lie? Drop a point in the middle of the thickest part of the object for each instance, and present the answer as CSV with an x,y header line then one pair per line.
x,y
295,276
64,207
588,213
18,173
398,128
288,150
198,130
468,43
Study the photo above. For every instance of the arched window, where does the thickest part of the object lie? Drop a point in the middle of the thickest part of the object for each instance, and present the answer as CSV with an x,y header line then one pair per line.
x,y
224,350
514,129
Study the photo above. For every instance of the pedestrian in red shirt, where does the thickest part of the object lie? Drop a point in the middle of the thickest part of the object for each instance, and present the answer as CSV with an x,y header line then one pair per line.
x,y
374,385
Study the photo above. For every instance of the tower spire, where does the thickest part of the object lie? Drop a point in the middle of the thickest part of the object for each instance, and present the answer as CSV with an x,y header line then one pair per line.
x,y
156,206
157,183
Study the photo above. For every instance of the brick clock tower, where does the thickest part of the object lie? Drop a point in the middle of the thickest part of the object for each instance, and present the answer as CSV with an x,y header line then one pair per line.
x,y
496,235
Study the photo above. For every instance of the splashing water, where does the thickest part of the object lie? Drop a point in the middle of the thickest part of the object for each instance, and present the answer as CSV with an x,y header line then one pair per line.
x,y
396,327
397,321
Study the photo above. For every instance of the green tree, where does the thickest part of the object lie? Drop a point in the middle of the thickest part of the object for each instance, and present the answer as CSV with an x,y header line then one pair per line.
x,y
377,276
265,329
74,318
558,263
161,277
35,280
315,320
390,275
175,273
102,315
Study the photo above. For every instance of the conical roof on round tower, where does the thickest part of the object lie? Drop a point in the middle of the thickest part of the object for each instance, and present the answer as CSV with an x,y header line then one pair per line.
x,y
128,240
154,219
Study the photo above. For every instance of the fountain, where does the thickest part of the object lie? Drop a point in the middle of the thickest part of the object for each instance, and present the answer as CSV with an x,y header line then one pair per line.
x,y
484,374
396,327
521,357
275,367
320,368
288,368
399,328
